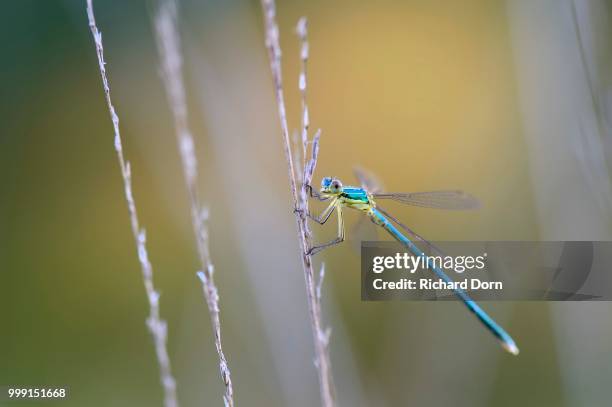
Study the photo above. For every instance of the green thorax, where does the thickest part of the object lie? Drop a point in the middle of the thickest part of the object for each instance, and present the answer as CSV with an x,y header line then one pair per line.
x,y
354,195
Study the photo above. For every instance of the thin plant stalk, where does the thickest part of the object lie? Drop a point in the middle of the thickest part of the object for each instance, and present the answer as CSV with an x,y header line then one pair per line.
x,y
168,44
157,326
300,200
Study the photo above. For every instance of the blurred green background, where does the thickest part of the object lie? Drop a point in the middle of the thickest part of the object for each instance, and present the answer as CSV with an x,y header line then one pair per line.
x,y
510,100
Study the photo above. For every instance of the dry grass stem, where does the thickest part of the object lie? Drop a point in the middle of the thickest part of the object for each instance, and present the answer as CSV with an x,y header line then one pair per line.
x,y
157,326
168,44
300,201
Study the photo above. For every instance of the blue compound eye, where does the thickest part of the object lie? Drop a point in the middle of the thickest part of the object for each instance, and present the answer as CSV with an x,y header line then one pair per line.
x,y
325,182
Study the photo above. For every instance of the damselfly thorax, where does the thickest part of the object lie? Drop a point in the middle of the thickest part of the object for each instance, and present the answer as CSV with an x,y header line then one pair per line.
x,y
356,198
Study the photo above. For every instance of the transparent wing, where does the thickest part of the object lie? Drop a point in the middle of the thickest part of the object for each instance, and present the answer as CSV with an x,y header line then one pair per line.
x,y
451,200
433,250
368,181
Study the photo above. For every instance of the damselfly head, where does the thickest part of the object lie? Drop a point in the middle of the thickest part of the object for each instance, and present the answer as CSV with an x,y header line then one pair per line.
x,y
331,185
326,182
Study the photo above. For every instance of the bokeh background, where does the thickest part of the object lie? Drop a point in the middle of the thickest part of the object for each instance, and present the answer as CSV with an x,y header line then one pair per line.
x,y
510,100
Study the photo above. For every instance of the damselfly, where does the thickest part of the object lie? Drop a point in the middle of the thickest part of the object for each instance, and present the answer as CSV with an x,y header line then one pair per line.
x,y
364,199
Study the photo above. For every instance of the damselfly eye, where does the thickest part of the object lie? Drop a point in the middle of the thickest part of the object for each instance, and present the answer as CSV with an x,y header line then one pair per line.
x,y
325,182
336,185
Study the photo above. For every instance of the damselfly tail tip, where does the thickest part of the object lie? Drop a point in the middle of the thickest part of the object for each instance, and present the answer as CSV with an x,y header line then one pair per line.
x,y
510,347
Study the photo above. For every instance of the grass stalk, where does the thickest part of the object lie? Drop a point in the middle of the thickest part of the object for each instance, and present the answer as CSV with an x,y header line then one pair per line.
x,y
300,198
168,44
157,326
